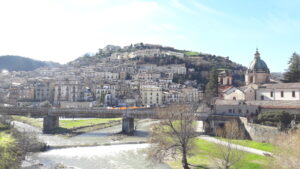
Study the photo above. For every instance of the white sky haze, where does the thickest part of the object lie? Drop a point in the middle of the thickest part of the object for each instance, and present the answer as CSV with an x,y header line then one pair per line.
x,y
63,30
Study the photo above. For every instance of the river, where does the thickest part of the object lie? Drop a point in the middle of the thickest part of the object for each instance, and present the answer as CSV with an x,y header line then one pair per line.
x,y
111,150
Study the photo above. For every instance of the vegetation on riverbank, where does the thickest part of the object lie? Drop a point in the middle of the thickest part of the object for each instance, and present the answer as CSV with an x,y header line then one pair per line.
x,y
73,127
206,151
68,124
9,151
31,121
253,144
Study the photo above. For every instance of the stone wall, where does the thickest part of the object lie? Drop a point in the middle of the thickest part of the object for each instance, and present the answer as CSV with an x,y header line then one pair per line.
x,y
258,132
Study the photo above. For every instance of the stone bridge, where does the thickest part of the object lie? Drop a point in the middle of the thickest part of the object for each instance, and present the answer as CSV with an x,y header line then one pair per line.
x,y
51,115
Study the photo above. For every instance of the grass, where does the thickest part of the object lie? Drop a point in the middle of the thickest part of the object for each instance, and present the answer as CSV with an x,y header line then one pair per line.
x,y
9,152
69,124
192,53
253,144
205,152
6,139
72,127
31,121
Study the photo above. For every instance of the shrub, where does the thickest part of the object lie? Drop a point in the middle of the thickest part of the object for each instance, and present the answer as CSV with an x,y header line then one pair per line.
x,y
274,118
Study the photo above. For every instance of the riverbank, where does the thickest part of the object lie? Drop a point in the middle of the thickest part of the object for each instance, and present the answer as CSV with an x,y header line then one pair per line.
x,y
14,145
91,149
10,153
72,127
206,154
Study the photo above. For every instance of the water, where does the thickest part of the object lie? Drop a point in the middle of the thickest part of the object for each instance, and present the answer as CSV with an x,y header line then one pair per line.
x,y
122,156
127,156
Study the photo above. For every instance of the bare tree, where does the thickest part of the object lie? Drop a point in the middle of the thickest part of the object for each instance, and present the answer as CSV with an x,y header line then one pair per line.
x,y
175,133
228,155
287,154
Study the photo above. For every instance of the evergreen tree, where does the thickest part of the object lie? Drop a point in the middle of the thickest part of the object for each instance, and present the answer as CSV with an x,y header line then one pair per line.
x,y
293,72
211,89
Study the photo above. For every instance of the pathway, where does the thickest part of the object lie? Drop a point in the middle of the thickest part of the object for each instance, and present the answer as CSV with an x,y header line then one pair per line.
x,y
235,146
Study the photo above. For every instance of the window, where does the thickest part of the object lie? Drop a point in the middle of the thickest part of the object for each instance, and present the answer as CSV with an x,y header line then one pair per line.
x,y
234,98
230,111
271,94
262,97
293,94
282,94
247,111
240,110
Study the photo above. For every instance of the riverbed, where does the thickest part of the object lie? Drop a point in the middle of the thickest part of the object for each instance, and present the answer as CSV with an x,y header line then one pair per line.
x,y
98,149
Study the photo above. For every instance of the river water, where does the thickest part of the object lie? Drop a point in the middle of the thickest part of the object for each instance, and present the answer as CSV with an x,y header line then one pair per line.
x,y
111,150
126,156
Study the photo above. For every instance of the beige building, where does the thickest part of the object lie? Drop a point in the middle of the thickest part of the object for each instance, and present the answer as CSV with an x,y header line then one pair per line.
x,y
189,95
151,95
67,90
234,93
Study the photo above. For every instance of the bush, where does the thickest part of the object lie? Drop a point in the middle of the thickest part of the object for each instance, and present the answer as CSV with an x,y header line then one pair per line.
x,y
274,118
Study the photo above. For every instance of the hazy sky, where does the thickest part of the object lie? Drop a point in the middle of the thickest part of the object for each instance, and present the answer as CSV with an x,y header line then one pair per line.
x,y
62,30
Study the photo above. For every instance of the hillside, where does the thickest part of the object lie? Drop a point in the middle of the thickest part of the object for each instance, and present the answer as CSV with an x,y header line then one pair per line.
x,y
198,64
18,63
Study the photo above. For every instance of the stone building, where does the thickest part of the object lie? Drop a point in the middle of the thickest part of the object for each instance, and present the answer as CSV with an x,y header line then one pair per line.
x,y
151,95
67,90
43,91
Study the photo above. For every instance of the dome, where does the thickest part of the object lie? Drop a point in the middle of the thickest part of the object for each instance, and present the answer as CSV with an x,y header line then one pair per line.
x,y
258,65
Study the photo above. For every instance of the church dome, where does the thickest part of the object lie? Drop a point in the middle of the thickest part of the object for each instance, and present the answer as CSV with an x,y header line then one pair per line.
x,y
258,65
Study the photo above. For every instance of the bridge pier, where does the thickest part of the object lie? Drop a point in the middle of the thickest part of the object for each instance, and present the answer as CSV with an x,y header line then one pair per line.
x,y
50,122
128,125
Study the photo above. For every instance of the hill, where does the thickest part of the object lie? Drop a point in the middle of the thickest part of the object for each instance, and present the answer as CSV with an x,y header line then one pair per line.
x,y
18,63
198,64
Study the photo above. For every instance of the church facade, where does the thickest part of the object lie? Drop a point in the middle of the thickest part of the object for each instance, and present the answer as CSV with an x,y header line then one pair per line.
x,y
260,93
259,86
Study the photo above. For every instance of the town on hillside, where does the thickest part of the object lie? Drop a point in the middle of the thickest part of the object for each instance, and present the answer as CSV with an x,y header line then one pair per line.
x,y
139,75
122,94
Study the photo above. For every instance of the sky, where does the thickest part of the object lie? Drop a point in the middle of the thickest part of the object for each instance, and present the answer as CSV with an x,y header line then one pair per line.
x,y
63,30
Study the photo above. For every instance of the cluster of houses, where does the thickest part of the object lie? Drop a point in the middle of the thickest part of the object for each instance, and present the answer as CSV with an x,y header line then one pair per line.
x,y
107,83
260,94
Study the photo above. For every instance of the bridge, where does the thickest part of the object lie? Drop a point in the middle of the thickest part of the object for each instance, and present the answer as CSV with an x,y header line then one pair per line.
x,y
51,115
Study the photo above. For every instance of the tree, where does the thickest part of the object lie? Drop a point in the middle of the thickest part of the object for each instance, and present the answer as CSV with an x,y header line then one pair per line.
x,y
293,72
228,154
211,89
273,118
175,133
